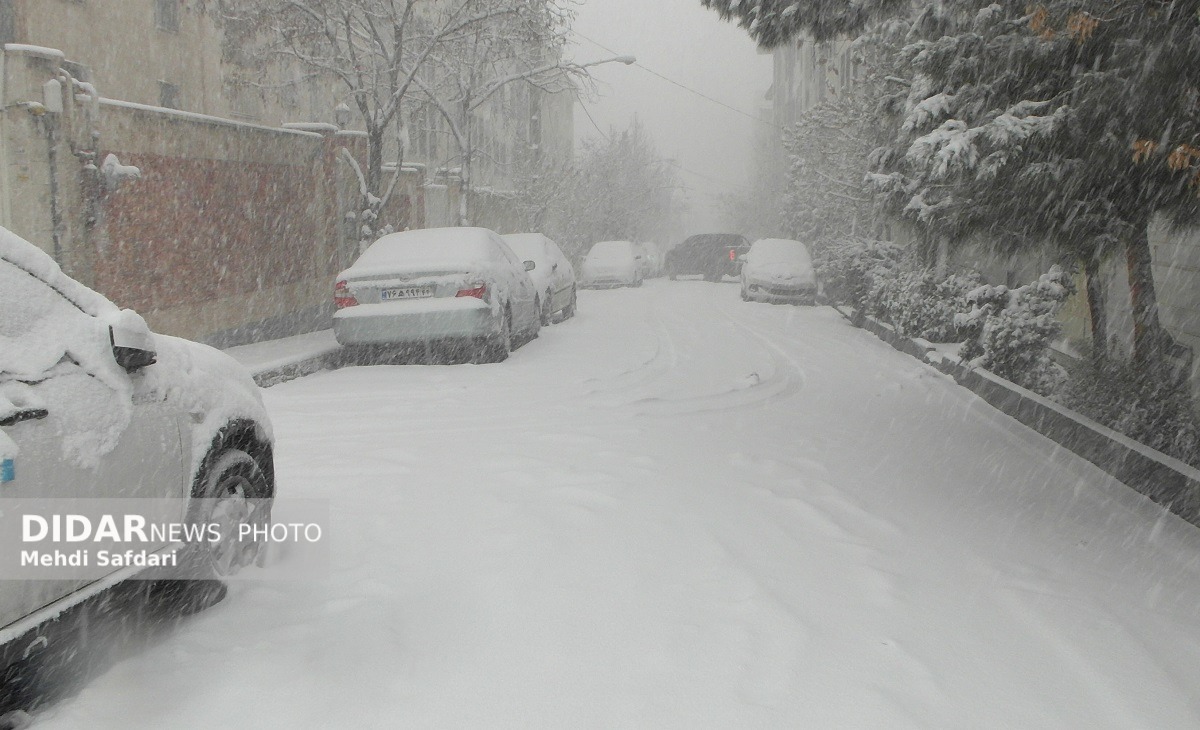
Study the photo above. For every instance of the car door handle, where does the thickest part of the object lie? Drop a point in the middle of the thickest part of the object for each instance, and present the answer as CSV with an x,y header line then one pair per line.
x,y
24,414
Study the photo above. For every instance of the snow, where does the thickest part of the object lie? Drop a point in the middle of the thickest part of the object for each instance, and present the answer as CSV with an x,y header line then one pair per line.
x,y
681,510
429,249
610,252
44,336
52,54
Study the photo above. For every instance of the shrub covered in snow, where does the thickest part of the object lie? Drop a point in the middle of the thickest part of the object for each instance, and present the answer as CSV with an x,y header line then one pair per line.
x,y
1155,409
918,303
1011,330
849,270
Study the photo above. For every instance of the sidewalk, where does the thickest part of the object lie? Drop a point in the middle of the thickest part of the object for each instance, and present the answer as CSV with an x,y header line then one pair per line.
x,y
275,361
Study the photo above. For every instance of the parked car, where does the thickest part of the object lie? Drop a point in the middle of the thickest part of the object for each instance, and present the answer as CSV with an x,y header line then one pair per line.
x,y
94,406
612,263
552,275
711,255
779,270
462,286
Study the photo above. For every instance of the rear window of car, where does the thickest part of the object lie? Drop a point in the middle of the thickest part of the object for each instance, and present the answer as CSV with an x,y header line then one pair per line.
x,y
715,241
435,247
779,250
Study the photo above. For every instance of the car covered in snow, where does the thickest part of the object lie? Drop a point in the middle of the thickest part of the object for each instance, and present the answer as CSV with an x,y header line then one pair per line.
x,y
710,255
94,407
459,286
552,274
779,270
611,264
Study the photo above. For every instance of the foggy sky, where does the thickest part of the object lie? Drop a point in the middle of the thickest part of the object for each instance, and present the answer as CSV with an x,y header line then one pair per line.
x,y
689,44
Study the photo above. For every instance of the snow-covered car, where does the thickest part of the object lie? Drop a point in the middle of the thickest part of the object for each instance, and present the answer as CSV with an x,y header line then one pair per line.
x,y
462,286
611,263
94,407
779,270
552,275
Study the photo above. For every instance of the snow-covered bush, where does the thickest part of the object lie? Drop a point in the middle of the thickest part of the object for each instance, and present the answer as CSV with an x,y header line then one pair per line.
x,y
918,303
848,270
1010,330
1155,409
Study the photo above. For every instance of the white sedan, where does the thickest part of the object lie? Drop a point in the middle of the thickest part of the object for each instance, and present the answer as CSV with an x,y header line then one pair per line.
x,y
99,413
435,285
552,274
779,270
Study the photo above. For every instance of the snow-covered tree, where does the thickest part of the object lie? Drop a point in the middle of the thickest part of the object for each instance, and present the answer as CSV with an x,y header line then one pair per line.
x,y
621,188
756,209
1072,122
1064,122
469,82
373,51
774,22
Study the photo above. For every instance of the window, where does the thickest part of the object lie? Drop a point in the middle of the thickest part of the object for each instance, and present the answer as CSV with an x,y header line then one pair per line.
x,y
168,95
166,15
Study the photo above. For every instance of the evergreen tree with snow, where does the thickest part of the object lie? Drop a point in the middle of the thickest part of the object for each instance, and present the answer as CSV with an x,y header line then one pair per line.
x,y
1064,122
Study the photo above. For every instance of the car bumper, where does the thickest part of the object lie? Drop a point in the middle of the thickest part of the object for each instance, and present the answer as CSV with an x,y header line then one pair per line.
x,y
765,292
608,282
399,323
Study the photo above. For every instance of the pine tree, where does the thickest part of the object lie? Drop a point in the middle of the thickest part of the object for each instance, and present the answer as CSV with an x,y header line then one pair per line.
x,y
1072,122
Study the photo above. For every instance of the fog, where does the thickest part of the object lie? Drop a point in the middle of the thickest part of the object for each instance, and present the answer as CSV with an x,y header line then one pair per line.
x,y
688,44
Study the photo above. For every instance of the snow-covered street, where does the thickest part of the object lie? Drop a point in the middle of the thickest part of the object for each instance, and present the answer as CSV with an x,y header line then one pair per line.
x,y
682,510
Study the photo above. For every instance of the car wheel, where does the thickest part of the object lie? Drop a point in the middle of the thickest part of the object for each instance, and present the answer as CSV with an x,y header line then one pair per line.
x,y
233,494
545,310
671,276
745,297
569,310
497,347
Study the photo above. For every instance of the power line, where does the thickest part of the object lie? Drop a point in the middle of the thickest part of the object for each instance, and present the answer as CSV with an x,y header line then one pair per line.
x,y
685,87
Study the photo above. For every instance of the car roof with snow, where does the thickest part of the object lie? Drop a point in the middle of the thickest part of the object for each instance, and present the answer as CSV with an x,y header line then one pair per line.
x,y
431,248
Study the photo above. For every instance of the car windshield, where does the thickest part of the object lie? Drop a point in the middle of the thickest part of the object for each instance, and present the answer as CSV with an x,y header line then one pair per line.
x,y
779,251
607,251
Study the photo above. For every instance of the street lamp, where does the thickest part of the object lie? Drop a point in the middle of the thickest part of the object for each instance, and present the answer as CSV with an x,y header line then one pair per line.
x,y
627,60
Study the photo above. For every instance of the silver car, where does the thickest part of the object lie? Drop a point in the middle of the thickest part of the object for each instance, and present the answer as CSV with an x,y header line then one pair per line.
x,y
779,270
435,285
94,408
552,274
612,263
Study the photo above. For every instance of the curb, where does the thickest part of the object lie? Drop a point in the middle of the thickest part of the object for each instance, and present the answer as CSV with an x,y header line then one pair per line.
x,y
1164,479
290,371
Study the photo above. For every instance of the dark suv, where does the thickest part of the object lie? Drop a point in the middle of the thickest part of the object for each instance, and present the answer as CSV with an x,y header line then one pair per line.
x,y
711,255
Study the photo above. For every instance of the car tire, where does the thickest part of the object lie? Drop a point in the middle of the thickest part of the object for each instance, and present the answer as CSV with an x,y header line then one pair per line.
x,y
569,310
497,347
544,310
745,296
234,491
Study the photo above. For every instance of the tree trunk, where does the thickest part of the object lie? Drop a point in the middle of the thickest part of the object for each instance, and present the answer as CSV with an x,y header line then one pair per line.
x,y
1149,338
1095,300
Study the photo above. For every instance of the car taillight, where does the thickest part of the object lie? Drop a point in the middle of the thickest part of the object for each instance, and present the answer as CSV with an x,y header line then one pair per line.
x,y
342,297
479,291
732,255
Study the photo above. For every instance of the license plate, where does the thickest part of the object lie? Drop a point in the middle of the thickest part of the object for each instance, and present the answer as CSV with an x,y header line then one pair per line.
x,y
406,292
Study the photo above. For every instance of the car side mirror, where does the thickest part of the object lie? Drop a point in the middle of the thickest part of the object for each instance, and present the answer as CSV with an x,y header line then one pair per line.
x,y
132,342
530,265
